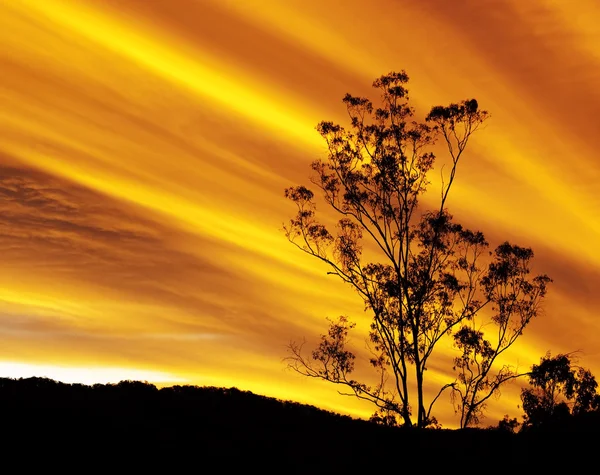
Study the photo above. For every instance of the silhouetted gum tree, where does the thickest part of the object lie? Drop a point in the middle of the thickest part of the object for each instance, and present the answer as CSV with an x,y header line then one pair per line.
x,y
426,281
558,388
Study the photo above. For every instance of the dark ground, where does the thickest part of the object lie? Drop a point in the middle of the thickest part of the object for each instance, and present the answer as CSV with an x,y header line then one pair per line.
x,y
135,426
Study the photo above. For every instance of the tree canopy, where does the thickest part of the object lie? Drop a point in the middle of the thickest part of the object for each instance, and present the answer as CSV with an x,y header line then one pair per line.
x,y
422,276
558,388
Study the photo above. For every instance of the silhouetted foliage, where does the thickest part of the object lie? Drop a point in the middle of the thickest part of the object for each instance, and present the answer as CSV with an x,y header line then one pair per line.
x,y
428,280
558,389
508,424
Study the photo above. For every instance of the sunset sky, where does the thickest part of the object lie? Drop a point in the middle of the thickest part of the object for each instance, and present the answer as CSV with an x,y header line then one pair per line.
x,y
145,146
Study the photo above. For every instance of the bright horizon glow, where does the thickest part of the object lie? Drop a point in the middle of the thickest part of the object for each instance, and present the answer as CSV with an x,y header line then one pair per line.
x,y
88,375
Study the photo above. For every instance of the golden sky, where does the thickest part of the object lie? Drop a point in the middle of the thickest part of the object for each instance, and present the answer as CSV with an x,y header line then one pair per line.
x,y
145,146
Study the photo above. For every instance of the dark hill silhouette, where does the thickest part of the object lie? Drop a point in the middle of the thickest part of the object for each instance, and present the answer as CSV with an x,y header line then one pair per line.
x,y
229,429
